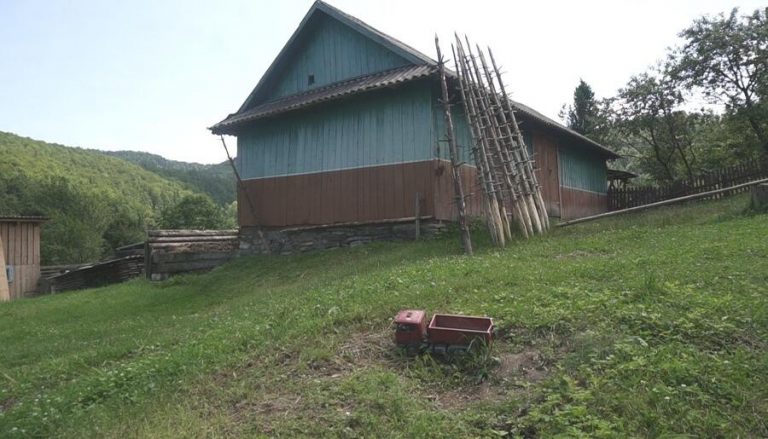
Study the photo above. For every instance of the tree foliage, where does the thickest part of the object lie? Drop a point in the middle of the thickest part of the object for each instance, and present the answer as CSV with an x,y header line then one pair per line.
x,y
649,112
217,181
582,115
196,211
726,57
652,121
95,203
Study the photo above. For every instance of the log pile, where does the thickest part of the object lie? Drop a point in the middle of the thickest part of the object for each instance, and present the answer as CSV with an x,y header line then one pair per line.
x,y
169,252
504,169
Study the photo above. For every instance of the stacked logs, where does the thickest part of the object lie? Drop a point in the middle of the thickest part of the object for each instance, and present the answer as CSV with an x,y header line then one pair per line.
x,y
504,169
170,252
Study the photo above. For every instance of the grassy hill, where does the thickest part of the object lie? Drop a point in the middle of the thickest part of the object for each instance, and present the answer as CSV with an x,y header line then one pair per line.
x,y
95,202
645,326
217,181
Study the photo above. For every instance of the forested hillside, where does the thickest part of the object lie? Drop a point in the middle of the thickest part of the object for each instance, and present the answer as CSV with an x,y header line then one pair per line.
x,y
95,202
217,181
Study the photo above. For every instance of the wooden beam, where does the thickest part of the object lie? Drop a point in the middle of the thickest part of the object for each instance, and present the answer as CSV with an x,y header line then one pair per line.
x,y
453,150
174,232
5,291
662,203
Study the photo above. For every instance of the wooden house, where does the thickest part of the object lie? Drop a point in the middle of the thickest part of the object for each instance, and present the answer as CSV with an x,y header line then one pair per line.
x,y
345,127
20,248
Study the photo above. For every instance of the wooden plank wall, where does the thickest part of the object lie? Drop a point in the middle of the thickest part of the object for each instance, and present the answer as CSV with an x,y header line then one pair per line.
x,y
21,242
5,293
331,52
547,170
353,195
445,203
577,204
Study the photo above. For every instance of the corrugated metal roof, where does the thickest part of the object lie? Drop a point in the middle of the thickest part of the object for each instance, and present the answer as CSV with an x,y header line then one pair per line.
x,y
334,91
533,114
23,218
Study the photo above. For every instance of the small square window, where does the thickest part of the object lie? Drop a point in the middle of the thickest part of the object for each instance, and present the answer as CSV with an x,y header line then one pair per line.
x,y
310,79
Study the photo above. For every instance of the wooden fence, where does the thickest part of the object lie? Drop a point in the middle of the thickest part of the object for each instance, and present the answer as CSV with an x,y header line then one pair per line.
x,y
91,275
633,196
169,252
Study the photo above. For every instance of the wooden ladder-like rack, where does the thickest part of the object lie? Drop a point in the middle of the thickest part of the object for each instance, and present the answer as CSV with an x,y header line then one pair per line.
x,y
504,169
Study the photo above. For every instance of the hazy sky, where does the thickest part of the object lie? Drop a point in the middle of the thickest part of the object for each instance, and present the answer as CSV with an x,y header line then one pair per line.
x,y
152,75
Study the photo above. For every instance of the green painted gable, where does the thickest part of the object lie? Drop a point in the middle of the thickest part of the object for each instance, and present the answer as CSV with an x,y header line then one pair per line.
x,y
331,52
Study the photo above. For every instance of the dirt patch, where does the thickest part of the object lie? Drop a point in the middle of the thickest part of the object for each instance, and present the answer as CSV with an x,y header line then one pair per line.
x,y
528,365
511,376
368,348
574,254
7,404
445,382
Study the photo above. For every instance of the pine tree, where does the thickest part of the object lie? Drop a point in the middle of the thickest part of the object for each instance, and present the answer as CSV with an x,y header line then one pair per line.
x,y
582,115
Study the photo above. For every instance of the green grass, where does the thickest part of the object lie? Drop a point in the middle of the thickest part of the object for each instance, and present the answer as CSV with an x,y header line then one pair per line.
x,y
653,325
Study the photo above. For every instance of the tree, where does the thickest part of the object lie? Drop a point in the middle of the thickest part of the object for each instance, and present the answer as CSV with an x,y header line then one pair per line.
x,y
726,57
582,115
648,112
194,211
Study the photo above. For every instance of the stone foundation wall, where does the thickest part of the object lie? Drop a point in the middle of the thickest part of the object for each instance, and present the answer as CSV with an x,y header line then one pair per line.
x,y
300,240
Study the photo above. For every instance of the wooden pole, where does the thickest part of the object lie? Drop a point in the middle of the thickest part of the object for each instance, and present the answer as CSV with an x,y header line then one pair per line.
x,y
512,152
5,289
485,178
481,174
662,203
485,127
458,190
241,185
531,175
502,162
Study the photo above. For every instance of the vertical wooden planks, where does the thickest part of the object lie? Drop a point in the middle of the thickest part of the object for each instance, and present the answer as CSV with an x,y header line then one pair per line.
x,y
5,292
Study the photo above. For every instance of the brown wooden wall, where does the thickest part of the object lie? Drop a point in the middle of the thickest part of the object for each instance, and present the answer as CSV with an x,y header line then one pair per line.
x,y
353,195
577,204
547,170
389,192
445,203
21,243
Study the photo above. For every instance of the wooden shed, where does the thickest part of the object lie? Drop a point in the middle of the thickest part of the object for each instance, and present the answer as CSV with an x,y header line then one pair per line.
x,y
346,127
20,250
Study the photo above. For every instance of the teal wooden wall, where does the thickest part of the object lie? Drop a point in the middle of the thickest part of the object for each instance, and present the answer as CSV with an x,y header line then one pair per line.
x,y
462,132
581,169
332,52
378,128
460,127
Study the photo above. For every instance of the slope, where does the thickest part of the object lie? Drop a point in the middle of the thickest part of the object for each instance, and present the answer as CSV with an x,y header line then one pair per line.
x,y
215,180
644,326
95,202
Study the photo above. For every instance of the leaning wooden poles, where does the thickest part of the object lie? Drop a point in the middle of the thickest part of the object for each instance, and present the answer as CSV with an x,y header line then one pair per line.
x,y
480,152
461,207
505,170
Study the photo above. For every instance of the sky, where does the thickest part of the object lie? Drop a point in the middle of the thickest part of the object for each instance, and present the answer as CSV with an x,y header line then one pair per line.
x,y
152,75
